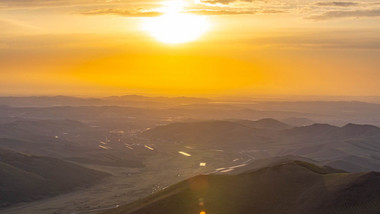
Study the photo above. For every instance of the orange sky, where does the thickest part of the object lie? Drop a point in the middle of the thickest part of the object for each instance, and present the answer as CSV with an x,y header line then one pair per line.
x,y
101,48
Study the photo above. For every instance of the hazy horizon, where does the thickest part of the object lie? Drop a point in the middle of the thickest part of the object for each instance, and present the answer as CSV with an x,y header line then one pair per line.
x,y
226,98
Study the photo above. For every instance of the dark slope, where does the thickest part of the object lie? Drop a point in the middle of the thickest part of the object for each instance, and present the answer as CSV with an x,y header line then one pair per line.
x,y
355,164
293,187
27,178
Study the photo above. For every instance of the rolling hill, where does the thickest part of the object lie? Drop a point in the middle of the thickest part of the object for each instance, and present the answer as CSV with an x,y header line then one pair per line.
x,y
266,123
207,133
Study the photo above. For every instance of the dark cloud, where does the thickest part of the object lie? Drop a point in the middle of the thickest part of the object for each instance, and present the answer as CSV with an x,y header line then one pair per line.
x,y
221,12
222,1
42,3
346,14
12,4
337,4
273,11
347,39
141,13
148,13
121,12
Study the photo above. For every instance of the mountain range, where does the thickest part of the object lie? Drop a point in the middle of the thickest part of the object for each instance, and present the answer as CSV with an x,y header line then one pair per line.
x,y
352,147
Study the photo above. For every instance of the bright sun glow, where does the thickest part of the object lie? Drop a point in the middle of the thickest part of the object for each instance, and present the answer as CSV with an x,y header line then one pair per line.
x,y
174,26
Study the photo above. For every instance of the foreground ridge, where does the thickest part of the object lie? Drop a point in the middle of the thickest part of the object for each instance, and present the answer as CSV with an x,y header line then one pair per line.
x,y
289,187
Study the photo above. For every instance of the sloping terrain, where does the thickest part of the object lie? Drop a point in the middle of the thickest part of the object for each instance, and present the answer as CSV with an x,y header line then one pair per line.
x,y
292,187
26,178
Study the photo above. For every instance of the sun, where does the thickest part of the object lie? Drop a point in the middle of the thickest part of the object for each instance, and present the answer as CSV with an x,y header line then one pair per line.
x,y
174,26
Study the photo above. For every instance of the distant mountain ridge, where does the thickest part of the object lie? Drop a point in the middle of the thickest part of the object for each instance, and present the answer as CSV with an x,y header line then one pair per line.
x,y
183,131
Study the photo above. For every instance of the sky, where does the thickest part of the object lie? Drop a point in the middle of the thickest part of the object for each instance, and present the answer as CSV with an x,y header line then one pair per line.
x,y
189,48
